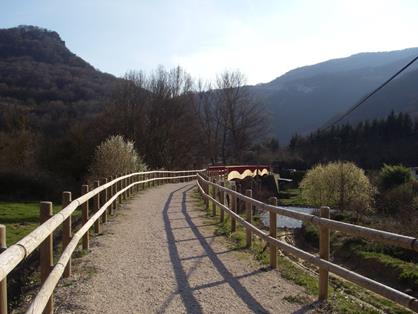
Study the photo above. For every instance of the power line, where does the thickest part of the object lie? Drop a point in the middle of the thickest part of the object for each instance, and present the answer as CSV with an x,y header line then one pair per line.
x,y
362,100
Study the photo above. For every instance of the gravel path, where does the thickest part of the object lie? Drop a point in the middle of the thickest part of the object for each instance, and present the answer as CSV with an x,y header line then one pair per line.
x,y
160,255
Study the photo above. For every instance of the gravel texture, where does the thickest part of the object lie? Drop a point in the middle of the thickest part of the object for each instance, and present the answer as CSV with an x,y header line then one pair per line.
x,y
160,255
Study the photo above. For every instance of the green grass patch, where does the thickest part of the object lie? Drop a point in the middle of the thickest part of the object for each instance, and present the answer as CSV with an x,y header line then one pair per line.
x,y
408,272
344,297
291,197
20,219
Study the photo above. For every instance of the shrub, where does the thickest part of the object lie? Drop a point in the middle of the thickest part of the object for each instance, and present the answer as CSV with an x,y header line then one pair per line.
x,y
400,199
394,175
341,185
115,156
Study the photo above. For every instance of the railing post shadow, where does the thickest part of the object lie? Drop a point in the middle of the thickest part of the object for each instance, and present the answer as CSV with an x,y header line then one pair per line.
x,y
67,233
324,246
46,256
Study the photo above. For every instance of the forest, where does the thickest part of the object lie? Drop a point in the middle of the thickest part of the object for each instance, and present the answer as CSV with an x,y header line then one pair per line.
x,y
370,144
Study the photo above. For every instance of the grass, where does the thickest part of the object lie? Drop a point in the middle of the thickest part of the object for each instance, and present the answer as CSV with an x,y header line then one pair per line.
x,y
408,272
291,197
344,297
20,219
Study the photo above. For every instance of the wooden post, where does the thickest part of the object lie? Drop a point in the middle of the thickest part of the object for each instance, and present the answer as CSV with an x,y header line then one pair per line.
x,y
126,185
323,254
131,189
238,201
96,207
46,252
3,283
127,192
273,233
103,200
206,190
248,217
137,178
122,186
85,216
111,193
114,191
67,234
119,187
234,209
222,201
213,203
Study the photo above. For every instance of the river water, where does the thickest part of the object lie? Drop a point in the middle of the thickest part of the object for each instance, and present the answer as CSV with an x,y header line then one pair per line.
x,y
286,222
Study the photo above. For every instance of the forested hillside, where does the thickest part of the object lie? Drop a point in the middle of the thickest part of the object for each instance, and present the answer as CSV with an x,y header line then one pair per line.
x,y
55,109
306,98
47,95
370,144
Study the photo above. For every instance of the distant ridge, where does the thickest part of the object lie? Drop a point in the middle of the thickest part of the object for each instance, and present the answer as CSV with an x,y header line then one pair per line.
x,y
305,98
36,68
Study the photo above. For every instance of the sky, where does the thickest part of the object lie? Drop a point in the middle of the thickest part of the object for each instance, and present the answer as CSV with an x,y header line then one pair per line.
x,y
262,39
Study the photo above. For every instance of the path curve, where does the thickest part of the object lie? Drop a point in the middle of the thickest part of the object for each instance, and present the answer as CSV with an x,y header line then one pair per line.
x,y
160,255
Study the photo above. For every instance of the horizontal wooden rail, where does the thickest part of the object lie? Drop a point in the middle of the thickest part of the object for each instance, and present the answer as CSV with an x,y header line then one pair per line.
x,y
41,299
372,285
10,258
381,236
112,192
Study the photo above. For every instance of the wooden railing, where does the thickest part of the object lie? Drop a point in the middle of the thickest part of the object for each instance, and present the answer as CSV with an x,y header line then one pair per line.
x,y
106,196
215,196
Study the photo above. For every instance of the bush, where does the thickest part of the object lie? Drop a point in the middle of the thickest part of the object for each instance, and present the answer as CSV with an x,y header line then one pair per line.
x,y
341,185
394,175
400,199
115,156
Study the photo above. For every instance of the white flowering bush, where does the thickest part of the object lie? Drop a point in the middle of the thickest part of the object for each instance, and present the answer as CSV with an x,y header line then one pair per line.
x,y
340,185
115,156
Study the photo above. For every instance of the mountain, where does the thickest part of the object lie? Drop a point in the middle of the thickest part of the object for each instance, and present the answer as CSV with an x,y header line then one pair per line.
x,y
307,98
40,76
39,73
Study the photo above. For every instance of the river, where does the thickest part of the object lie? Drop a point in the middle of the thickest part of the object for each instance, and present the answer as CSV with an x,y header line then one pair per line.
x,y
286,222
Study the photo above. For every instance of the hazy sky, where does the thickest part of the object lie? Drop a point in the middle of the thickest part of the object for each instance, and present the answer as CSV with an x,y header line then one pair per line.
x,y
263,39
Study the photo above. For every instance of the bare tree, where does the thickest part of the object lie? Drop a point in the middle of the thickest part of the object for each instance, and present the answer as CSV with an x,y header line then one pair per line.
x,y
172,140
209,124
240,116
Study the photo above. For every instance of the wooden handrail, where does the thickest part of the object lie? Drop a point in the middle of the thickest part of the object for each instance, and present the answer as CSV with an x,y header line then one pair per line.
x,y
12,256
372,285
381,236
41,299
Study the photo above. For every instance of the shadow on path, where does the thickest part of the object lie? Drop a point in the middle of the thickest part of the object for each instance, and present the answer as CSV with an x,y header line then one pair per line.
x,y
183,286
191,304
